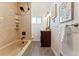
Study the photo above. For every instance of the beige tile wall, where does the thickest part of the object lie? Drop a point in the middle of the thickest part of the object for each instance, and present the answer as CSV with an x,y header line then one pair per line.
x,y
7,22
25,21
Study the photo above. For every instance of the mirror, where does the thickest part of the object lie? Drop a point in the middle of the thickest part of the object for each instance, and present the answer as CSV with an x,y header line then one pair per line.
x,y
48,23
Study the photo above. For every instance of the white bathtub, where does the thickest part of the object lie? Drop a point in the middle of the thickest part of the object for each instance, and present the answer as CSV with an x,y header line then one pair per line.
x,y
15,48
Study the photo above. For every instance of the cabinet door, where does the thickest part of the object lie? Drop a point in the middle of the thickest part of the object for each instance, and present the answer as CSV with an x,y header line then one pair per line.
x,y
45,38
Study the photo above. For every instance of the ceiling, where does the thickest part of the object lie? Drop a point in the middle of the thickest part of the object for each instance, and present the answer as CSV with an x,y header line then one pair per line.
x,y
40,8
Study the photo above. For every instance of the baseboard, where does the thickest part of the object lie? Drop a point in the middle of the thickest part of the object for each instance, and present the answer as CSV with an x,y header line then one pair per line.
x,y
35,39
54,51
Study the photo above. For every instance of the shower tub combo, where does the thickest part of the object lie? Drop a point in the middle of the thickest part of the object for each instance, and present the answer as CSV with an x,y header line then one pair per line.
x,y
16,48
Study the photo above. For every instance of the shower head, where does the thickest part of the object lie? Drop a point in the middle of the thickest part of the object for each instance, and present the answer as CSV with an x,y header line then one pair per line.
x,y
25,10
22,9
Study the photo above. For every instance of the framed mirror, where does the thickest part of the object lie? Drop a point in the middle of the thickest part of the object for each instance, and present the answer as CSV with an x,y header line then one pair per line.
x,y
48,23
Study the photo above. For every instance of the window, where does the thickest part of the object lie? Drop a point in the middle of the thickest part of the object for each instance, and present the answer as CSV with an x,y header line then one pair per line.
x,y
33,19
36,19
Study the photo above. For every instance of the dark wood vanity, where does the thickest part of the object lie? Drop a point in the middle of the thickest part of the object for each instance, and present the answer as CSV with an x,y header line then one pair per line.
x,y
45,38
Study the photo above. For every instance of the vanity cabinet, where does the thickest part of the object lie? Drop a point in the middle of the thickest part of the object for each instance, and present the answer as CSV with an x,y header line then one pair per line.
x,y
45,38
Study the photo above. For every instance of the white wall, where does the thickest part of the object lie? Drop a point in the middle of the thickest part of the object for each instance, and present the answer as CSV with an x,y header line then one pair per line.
x,y
39,9
58,28
36,28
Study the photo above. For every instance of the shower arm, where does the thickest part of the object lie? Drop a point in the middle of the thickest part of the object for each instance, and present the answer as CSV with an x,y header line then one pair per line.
x,y
28,8
28,5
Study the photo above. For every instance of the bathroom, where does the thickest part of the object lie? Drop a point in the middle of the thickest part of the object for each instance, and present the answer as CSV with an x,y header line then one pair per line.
x,y
17,29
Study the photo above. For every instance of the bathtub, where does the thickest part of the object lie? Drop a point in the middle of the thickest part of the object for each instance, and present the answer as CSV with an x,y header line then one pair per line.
x,y
16,48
